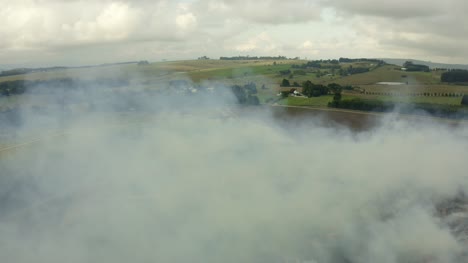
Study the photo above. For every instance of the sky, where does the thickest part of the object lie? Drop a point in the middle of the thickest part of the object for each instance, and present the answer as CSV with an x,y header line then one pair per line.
x,y
83,32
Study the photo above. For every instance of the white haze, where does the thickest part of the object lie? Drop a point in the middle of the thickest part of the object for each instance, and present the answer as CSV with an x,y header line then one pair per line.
x,y
191,187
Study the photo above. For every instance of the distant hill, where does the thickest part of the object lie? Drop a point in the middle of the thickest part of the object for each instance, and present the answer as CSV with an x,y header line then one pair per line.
x,y
430,64
4,67
20,71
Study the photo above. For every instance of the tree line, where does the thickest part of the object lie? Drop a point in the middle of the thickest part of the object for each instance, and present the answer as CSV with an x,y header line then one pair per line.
x,y
308,64
17,87
354,60
464,101
19,71
254,58
310,89
423,94
438,110
410,66
455,75
334,67
246,94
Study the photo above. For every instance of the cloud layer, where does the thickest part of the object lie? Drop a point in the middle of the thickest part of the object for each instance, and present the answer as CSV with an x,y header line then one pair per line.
x,y
53,31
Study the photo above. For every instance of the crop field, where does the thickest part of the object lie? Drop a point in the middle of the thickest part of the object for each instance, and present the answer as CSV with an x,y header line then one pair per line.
x,y
266,75
420,88
321,101
237,72
424,87
413,99
199,69
391,73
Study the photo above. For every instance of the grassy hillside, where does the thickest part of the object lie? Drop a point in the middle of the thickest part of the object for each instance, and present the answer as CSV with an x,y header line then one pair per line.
x,y
199,69
391,73
267,75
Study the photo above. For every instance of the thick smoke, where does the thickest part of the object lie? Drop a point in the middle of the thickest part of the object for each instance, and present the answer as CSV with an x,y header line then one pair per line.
x,y
221,184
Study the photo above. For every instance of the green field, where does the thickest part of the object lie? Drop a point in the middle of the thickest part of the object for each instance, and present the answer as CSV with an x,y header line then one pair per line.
x,y
416,99
321,101
204,69
266,74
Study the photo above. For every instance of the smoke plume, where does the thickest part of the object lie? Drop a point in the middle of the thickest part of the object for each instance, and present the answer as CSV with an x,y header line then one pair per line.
x,y
169,182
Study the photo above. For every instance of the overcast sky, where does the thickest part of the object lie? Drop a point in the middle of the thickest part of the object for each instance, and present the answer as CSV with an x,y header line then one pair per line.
x,y
78,32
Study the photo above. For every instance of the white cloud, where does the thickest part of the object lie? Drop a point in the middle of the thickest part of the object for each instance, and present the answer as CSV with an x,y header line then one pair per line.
x,y
116,21
411,27
308,48
306,45
395,28
186,21
262,43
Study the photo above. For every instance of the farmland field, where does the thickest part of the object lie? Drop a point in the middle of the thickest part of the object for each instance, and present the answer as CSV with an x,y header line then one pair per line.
x,y
418,87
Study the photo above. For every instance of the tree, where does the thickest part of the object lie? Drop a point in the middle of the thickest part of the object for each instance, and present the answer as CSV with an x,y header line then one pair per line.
x,y
239,92
284,94
316,93
143,63
335,88
337,97
253,100
299,72
310,89
285,72
456,75
464,101
307,88
410,66
285,83
251,88
245,94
